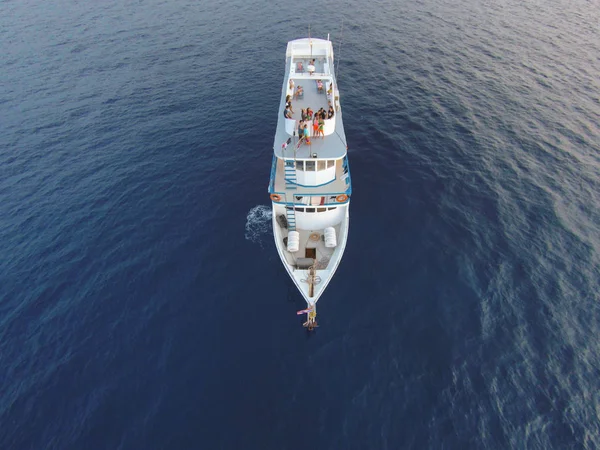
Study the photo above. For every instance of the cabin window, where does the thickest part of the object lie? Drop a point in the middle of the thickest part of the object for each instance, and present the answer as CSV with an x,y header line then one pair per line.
x,y
300,165
331,209
300,209
310,210
321,209
321,165
310,166
330,163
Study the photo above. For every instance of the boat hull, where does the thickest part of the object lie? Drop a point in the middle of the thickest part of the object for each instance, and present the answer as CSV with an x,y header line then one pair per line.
x,y
310,184
298,275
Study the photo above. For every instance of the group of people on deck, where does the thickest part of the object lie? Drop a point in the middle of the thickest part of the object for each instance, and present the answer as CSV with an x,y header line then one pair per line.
x,y
299,91
316,120
307,114
287,113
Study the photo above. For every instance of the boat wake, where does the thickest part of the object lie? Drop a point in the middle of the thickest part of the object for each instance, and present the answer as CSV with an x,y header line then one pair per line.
x,y
258,223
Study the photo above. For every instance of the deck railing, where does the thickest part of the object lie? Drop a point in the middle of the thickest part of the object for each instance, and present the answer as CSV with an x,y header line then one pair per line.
x,y
273,172
348,178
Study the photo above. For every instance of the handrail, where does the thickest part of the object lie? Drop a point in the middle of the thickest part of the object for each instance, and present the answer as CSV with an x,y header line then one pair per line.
x,y
273,171
284,179
349,178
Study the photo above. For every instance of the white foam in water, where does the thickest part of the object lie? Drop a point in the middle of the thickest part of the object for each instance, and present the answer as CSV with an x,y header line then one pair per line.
x,y
258,223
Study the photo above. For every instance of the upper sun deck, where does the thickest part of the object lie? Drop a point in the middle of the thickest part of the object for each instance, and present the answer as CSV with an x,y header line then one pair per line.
x,y
319,90
309,48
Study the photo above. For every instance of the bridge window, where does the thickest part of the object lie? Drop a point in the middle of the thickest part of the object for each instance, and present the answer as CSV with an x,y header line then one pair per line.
x,y
310,166
330,163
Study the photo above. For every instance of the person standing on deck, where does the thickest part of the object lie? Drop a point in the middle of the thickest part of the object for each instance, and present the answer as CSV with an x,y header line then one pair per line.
x,y
321,124
311,67
330,113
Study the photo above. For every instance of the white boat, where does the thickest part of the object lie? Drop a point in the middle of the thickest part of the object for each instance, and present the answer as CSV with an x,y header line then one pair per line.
x,y
310,183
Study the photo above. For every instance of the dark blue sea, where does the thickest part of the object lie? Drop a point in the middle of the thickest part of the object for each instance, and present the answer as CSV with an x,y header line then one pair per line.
x,y
142,301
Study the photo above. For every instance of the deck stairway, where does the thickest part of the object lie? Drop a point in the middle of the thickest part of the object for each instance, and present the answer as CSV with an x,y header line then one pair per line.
x,y
289,168
290,214
290,174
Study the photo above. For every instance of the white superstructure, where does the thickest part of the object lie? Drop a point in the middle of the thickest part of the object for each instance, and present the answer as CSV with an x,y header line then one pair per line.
x,y
310,183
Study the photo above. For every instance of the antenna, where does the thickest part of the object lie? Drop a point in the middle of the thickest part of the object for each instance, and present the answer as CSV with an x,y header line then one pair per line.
x,y
310,41
339,59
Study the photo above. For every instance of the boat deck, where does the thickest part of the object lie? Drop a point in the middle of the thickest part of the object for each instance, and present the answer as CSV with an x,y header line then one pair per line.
x,y
337,186
333,146
311,249
315,249
319,65
312,98
330,147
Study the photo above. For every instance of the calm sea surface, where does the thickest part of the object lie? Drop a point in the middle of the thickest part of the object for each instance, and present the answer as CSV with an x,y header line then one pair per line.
x,y
143,304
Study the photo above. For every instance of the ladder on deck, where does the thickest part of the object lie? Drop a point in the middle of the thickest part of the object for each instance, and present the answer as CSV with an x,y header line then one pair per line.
x,y
289,174
290,214
289,168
